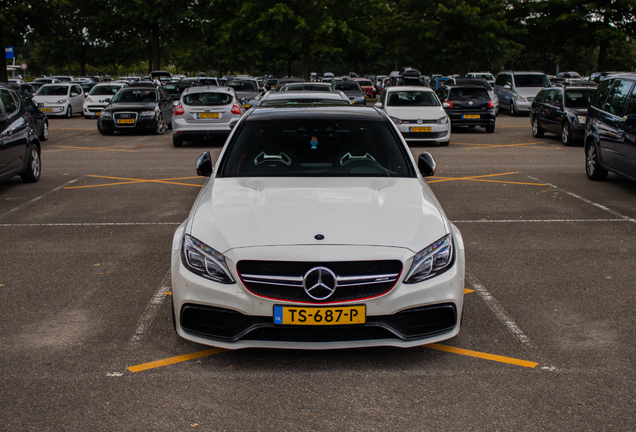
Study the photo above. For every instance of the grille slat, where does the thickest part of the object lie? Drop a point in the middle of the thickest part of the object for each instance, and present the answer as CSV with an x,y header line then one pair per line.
x,y
283,280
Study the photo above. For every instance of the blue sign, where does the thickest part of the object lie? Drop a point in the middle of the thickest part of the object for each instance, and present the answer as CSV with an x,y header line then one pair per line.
x,y
8,51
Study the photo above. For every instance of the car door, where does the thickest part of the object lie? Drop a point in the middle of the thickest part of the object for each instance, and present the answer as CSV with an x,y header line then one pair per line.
x,y
542,109
14,135
626,144
165,105
609,134
77,98
553,112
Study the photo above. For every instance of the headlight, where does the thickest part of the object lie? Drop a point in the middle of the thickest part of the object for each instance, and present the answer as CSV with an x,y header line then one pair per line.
x,y
105,114
520,98
442,120
61,101
146,114
88,99
205,261
581,119
396,120
360,98
431,261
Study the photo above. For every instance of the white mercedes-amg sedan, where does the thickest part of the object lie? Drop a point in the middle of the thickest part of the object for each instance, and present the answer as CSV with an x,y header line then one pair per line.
x,y
316,230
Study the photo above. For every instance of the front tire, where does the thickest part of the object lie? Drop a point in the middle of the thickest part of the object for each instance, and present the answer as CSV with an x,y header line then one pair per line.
x,y
566,134
513,112
45,131
104,131
592,165
537,132
69,112
490,128
34,166
161,126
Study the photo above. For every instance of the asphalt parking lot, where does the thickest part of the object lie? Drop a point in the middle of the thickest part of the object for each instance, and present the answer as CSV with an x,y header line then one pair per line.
x,y
87,343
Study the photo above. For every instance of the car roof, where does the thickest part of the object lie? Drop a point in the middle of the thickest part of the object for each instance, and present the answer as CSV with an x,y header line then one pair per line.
x,y
315,113
409,88
199,89
303,95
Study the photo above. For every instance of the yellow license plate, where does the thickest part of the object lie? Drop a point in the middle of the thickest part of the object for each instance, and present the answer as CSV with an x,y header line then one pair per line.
x,y
471,116
420,129
98,113
208,115
320,316
126,121
46,109
246,105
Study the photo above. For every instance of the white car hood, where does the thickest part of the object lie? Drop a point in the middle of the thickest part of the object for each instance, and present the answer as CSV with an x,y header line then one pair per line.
x,y
528,91
414,113
236,213
44,99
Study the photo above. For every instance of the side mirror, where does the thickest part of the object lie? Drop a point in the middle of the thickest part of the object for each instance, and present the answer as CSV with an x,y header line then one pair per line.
x,y
446,105
426,164
73,94
204,164
378,105
506,86
630,120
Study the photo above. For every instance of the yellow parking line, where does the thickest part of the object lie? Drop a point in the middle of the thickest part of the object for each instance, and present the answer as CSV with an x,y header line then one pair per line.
x,y
173,360
497,358
61,128
468,291
482,179
133,181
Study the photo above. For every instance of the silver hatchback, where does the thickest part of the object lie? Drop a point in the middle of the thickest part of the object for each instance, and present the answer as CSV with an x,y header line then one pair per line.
x,y
205,113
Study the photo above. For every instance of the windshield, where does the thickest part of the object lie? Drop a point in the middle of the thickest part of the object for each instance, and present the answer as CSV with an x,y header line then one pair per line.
x,y
315,148
413,98
365,83
208,81
303,102
136,96
242,85
579,98
308,87
207,99
53,90
347,86
104,90
534,80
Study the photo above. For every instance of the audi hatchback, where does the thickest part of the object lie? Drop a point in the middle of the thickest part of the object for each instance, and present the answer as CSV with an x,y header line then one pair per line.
x,y
316,230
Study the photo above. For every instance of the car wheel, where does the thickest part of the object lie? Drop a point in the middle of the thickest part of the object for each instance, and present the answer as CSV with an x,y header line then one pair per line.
x,y
177,142
103,130
593,167
45,131
512,109
69,112
566,134
161,126
444,143
537,132
490,128
34,166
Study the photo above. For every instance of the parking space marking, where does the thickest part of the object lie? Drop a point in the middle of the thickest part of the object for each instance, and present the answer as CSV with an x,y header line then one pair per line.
x,y
173,360
482,178
149,314
524,145
543,220
493,357
499,311
61,128
38,198
111,148
126,181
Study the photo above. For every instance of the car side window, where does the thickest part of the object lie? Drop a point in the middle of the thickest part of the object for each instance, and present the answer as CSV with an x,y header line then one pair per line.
x,y
558,97
10,106
501,80
601,94
550,97
617,97
630,109
540,95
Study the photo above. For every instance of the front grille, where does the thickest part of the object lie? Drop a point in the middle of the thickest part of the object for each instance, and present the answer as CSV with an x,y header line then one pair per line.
x,y
416,135
283,280
422,121
231,326
125,116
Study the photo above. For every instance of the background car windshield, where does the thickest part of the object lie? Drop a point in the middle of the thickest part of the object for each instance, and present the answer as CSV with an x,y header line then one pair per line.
x,y
315,148
579,98
413,98
303,102
53,91
531,80
468,93
207,99
309,87
347,86
242,86
365,83
208,81
136,96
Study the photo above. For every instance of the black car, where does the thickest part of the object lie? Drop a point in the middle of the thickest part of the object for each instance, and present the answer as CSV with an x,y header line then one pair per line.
x,y
137,108
175,89
468,105
561,110
40,121
19,143
352,90
22,87
610,133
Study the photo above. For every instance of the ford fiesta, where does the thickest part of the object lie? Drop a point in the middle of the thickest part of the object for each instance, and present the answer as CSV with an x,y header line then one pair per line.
x,y
316,230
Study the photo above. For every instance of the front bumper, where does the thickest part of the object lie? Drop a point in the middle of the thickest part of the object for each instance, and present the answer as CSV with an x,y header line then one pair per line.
x,y
232,317
93,110
141,123
438,133
54,110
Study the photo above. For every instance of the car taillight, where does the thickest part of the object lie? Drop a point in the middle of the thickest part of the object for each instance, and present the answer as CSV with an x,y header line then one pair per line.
x,y
449,103
236,108
491,104
178,110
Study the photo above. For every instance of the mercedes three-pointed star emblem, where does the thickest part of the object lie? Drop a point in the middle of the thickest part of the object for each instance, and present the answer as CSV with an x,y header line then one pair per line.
x,y
320,283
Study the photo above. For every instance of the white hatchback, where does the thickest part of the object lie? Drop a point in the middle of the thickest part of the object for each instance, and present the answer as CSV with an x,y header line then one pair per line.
x,y
60,99
417,112
316,230
99,97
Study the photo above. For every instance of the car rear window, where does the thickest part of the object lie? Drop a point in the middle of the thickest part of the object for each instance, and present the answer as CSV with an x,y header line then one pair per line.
x,y
242,85
468,93
207,98
412,98
347,86
321,147
104,90
579,98
303,102
365,83
308,87
531,80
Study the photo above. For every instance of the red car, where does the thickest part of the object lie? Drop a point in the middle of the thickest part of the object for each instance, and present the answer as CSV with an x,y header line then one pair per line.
x,y
367,86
